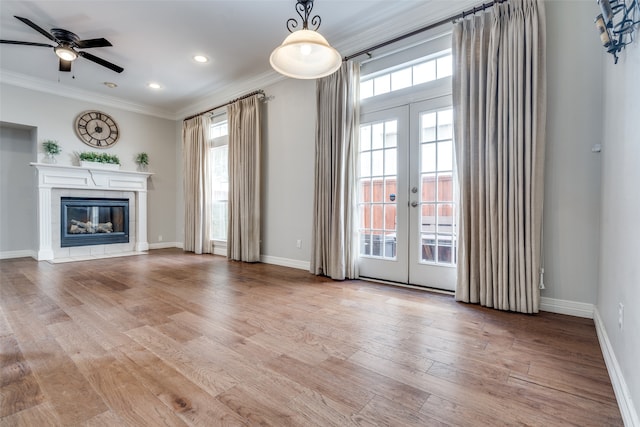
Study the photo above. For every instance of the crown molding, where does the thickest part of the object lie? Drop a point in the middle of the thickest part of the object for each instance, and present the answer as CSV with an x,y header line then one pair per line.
x,y
20,80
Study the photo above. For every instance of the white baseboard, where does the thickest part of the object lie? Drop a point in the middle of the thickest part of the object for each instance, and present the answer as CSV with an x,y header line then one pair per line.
x,y
286,262
164,245
572,308
627,409
18,254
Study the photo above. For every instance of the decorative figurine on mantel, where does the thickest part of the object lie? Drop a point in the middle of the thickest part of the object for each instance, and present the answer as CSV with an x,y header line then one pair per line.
x,y
51,149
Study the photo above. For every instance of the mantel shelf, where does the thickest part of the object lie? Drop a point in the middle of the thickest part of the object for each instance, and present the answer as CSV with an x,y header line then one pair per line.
x,y
72,167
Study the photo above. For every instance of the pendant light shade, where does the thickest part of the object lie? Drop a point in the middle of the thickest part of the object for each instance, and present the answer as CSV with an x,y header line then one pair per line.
x,y
305,54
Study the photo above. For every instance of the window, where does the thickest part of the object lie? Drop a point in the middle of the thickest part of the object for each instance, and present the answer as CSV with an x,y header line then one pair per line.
x,y
219,161
407,75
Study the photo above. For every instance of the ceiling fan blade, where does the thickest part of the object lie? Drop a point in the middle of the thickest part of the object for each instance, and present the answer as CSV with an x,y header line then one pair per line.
x,y
65,65
85,44
37,28
101,61
25,43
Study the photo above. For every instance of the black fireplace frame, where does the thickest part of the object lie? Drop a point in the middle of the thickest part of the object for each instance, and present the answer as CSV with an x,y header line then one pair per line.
x,y
69,239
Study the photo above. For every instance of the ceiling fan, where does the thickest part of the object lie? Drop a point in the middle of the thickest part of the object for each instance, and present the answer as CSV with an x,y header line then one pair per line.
x,y
68,45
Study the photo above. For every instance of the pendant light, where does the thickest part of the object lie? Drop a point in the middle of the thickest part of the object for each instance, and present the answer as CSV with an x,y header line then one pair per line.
x,y
305,54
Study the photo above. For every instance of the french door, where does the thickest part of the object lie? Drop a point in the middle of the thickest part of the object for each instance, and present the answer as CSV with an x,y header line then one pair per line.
x,y
407,195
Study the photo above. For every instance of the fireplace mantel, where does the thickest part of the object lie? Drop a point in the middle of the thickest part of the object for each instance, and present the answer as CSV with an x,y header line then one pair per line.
x,y
52,176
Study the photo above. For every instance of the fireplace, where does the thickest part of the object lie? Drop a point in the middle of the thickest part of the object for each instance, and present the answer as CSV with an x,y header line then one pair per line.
x,y
58,181
93,221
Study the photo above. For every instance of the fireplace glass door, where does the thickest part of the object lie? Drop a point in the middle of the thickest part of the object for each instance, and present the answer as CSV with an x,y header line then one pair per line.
x,y
93,221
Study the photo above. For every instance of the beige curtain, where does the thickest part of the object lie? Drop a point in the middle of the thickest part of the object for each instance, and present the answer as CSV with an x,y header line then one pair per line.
x,y
197,181
243,236
499,100
334,239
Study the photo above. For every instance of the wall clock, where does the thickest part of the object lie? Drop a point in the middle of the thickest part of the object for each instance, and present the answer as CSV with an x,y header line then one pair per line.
x,y
97,129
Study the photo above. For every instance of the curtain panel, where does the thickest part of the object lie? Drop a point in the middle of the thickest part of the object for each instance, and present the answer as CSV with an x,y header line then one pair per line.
x,y
197,184
334,238
499,100
243,234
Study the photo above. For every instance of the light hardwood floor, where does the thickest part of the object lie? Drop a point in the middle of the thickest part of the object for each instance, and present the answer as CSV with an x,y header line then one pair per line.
x,y
179,339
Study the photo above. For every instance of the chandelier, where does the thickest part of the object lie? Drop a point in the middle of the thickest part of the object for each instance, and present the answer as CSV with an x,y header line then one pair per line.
x,y
305,53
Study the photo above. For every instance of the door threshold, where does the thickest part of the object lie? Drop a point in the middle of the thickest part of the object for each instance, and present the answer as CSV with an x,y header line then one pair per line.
x,y
408,285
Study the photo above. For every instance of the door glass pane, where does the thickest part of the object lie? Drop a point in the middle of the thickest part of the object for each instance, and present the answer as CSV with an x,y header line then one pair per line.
x,y
389,217
428,158
377,163
445,187
365,163
428,219
445,253
365,138
391,190
377,136
377,195
429,187
390,161
427,127
391,133
445,155
445,218
365,243
390,245
445,124
428,248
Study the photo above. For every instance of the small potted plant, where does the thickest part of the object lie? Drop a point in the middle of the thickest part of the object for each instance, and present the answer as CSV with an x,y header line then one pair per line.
x,y
90,159
142,159
51,149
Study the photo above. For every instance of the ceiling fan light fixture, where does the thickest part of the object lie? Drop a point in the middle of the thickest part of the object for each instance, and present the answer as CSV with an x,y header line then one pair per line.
x,y
65,53
305,53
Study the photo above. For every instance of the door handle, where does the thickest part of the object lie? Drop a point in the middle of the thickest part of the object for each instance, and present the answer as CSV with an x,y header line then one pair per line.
x,y
414,204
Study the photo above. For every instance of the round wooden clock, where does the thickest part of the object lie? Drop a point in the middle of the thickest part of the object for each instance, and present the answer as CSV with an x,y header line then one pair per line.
x,y
97,129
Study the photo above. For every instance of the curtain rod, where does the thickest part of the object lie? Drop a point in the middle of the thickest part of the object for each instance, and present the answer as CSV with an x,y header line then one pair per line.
x,y
461,15
210,110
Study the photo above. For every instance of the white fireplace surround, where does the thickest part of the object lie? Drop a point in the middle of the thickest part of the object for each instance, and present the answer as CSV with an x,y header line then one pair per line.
x,y
102,183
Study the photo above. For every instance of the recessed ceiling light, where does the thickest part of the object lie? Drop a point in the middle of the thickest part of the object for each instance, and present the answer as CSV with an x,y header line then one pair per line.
x,y
201,58
110,85
153,85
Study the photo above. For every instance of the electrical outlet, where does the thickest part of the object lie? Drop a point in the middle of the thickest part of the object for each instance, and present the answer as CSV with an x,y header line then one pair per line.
x,y
298,243
620,315
160,238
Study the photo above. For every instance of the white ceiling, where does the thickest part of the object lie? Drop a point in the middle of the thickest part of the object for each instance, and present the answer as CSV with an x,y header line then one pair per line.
x,y
156,40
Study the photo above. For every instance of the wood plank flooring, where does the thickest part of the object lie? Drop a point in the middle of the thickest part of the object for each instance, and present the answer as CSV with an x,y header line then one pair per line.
x,y
176,339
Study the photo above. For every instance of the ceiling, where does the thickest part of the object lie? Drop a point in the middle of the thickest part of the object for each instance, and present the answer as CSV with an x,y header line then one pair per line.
x,y
155,41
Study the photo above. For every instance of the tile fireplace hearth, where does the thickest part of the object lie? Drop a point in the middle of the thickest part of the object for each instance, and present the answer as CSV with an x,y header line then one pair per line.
x,y
57,183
